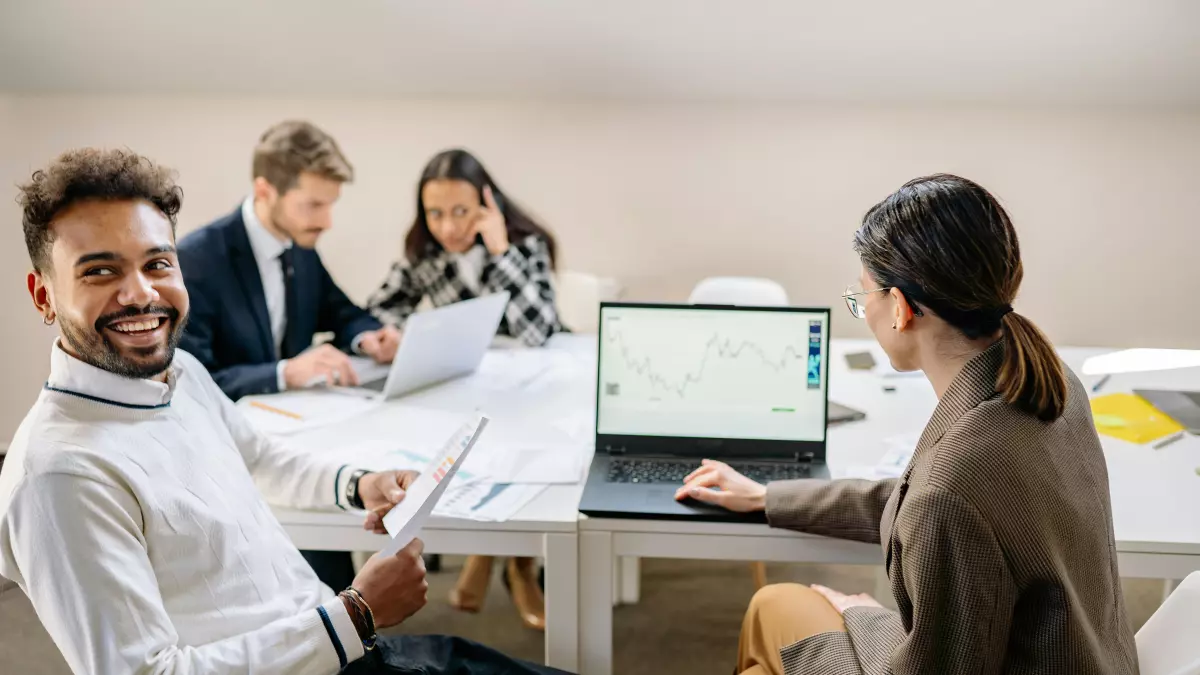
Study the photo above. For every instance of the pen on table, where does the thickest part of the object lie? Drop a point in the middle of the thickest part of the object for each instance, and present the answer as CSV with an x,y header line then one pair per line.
x,y
1100,383
277,411
1169,440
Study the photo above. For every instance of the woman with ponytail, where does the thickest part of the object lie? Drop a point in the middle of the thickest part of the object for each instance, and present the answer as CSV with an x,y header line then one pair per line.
x,y
998,537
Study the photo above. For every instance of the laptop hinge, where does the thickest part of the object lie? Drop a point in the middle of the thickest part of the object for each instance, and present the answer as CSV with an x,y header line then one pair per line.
x,y
614,450
805,458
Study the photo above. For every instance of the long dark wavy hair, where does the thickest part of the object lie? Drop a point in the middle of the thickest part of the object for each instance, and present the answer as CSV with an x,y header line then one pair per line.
x,y
459,164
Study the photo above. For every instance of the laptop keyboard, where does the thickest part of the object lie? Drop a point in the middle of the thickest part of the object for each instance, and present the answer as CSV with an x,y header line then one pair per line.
x,y
374,385
674,471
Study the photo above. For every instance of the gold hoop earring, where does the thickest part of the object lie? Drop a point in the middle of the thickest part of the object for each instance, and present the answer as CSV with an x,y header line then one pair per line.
x,y
48,320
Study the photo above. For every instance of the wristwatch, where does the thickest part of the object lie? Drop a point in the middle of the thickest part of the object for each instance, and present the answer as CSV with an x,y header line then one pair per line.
x,y
353,498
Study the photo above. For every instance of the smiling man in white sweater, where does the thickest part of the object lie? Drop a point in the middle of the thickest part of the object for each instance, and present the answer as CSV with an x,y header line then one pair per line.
x,y
132,508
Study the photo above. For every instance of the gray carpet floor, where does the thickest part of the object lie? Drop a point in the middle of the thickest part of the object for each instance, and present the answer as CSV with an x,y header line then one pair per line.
x,y
687,620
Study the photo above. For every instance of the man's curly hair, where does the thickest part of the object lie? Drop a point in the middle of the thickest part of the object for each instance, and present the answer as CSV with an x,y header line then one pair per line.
x,y
87,174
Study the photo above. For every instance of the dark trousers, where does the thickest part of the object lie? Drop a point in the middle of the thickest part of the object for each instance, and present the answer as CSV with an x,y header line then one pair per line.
x,y
335,569
440,654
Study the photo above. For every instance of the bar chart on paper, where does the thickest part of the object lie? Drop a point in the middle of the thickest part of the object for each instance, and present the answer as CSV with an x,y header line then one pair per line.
x,y
712,373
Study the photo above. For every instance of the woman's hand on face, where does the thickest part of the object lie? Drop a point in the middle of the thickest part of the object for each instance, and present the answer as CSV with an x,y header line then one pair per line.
x,y
489,224
716,483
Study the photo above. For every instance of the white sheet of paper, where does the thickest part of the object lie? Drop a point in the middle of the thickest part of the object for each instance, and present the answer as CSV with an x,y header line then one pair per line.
x,y
311,408
487,501
579,425
893,463
406,519
510,369
561,464
1141,361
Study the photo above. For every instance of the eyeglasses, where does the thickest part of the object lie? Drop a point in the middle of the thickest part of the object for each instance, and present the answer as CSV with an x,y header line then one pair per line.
x,y
853,291
859,310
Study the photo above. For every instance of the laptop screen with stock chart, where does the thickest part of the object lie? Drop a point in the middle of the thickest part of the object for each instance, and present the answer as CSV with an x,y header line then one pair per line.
x,y
684,371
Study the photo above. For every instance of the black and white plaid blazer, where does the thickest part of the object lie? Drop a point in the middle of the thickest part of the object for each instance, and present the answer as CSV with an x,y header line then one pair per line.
x,y
523,271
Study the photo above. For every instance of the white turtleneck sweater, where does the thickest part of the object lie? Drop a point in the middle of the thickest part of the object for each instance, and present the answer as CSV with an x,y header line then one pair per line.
x,y
132,514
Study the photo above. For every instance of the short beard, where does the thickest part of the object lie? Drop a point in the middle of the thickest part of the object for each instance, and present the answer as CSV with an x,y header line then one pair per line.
x,y
94,348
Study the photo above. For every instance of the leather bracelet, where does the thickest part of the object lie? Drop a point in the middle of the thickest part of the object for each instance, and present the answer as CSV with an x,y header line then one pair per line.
x,y
365,614
357,617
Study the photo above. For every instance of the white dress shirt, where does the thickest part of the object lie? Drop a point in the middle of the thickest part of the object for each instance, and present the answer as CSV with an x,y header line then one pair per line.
x,y
267,249
132,514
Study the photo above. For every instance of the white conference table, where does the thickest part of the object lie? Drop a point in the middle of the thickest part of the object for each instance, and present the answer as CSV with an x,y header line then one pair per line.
x,y
1155,493
546,527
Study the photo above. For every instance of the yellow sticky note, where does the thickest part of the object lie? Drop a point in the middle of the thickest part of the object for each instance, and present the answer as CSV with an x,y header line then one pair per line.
x,y
1131,418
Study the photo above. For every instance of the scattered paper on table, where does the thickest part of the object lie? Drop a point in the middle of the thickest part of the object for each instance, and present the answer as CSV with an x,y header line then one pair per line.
x,y
487,501
539,465
1141,361
895,460
295,411
579,425
509,370
406,519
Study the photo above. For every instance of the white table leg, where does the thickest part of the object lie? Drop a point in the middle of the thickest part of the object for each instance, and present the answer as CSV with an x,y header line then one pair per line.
x,y
595,603
562,601
631,579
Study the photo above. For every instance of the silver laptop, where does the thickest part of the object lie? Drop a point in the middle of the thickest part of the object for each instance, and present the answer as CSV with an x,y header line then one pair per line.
x,y
441,344
1181,406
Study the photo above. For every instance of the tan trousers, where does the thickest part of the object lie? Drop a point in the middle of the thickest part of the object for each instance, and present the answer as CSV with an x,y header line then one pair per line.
x,y
780,615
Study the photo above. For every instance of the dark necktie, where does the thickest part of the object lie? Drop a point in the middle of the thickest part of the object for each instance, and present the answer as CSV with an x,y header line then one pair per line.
x,y
289,346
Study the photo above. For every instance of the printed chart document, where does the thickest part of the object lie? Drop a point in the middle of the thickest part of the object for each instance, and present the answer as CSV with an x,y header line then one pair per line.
x,y
407,518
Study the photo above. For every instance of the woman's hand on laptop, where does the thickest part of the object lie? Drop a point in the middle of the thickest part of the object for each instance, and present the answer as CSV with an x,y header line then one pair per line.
x,y
380,345
716,483
380,491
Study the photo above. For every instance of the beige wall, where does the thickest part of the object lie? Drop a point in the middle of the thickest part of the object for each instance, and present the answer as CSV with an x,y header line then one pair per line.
x,y
662,195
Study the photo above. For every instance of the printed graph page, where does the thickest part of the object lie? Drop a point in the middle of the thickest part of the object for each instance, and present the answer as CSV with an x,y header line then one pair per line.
x,y
713,373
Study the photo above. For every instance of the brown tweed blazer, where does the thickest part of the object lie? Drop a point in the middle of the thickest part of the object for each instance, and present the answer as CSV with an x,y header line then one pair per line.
x,y
998,541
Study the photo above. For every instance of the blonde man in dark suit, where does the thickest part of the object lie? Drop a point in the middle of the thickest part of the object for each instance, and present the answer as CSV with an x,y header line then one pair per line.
x,y
998,537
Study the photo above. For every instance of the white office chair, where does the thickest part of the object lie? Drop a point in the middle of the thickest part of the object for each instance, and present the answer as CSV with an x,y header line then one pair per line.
x,y
1167,643
579,296
738,291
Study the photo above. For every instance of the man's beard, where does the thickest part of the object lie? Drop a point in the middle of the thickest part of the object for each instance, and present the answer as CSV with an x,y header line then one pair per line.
x,y
291,230
94,348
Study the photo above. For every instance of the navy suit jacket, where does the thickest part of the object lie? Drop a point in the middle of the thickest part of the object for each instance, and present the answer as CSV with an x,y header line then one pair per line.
x,y
229,329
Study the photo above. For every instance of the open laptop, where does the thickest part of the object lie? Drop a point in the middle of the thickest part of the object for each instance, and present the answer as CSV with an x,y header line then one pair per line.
x,y
1181,406
441,344
679,383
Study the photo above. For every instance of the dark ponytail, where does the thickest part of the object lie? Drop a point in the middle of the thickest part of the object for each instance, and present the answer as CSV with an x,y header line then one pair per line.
x,y
949,246
1031,376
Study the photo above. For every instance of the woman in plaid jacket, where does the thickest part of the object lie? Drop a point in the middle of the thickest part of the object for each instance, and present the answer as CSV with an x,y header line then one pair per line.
x,y
469,240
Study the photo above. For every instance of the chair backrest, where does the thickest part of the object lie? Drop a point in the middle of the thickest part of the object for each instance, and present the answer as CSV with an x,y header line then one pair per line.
x,y
1167,644
738,291
578,296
